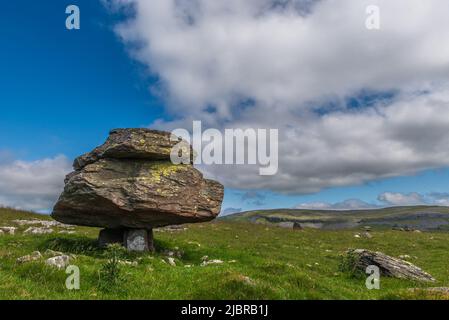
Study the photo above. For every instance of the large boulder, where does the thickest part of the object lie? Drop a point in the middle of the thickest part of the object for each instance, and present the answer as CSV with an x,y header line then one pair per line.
x,y
388,266
139,194
130,183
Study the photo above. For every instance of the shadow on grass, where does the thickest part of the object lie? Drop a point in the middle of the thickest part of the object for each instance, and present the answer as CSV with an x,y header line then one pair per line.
x,y
189,255
73,245
79,245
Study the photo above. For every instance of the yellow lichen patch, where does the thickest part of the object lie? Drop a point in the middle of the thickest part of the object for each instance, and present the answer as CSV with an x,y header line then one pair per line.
x,y
163,169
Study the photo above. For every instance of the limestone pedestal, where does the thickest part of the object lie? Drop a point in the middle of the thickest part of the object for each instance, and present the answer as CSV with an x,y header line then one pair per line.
x,y
140,240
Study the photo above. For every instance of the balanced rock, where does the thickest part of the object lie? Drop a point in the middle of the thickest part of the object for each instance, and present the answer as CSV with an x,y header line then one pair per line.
x,y
129,183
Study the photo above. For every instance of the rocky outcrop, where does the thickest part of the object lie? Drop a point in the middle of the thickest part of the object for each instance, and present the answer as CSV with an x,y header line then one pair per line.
x,y
130,183
59,262
388,266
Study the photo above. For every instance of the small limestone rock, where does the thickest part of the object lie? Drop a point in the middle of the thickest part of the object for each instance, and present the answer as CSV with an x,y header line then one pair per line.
x,y
59,262
174,253
248,280
37,230
8,230
36,255
367,235
207,262
171,261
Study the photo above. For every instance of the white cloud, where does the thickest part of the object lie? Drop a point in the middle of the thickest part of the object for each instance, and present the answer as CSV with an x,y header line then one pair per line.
x,y
215,52
32,185
285,61
441,199
414,198
401,199
350,204
350,148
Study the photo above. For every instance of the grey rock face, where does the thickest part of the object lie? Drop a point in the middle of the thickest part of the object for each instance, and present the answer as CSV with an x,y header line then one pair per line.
x,y
8,230
37,230
36,255
59,262
388,266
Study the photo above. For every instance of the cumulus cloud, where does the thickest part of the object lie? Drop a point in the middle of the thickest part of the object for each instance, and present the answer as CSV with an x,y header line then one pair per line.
x,y
293,65
401,199
386,199
32,185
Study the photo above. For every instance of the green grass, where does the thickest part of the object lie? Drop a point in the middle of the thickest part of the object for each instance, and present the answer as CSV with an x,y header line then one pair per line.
x,y
260,262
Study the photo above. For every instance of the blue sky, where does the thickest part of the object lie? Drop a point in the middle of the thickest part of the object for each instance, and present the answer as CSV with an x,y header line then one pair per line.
x,y
62,91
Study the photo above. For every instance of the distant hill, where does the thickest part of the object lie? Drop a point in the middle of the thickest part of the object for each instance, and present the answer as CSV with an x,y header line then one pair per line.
x,y
416,217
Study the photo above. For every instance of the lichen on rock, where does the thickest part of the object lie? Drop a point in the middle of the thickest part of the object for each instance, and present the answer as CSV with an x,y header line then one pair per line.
x,y
129,182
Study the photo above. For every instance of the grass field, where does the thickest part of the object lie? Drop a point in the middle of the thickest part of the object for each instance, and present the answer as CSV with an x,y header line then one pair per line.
x,y
259,262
